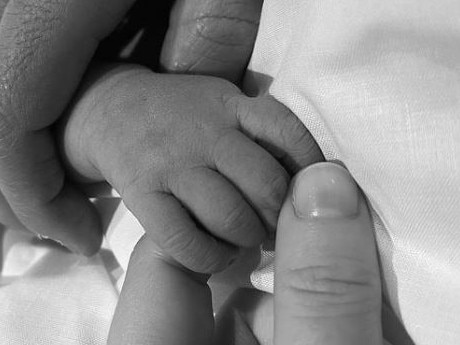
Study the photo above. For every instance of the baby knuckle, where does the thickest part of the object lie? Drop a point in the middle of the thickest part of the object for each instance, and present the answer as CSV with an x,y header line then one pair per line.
x,y
301,144
133,181
208,262
236,218
177,242
146,252
220,147
332,290
233,103
188,250
275,188
292,130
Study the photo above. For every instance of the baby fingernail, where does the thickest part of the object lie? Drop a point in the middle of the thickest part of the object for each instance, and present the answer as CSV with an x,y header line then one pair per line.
x,y
325,190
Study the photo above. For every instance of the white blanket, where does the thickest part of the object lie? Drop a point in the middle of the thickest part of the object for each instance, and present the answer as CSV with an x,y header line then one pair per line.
x,y
378,85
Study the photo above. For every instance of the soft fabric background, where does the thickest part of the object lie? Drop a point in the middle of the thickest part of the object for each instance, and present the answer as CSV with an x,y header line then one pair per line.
x,y
378,85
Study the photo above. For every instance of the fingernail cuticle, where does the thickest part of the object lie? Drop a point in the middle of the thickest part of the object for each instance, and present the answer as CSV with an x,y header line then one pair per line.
x,y
325,190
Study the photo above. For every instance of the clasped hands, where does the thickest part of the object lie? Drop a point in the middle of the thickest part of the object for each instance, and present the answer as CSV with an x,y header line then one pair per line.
x,y
327,284
39,75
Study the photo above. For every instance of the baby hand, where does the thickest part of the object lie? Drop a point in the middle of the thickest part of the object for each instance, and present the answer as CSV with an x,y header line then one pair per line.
x,y
201,166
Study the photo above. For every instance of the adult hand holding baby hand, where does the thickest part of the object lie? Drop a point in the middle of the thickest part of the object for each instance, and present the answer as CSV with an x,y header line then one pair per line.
x,y
327,280
198,163
46,47
327,285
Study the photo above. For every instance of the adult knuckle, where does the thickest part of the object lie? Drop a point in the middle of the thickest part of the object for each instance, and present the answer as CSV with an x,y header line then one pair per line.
x,y
207,29
51,180
39,191
333,289
225,29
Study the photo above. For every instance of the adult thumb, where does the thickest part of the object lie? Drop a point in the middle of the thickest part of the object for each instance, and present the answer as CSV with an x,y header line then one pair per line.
x,y
327,284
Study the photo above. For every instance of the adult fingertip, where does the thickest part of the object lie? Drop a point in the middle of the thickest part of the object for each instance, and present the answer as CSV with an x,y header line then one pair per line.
x,y
327,284
84,233
89,246
325,190
69,219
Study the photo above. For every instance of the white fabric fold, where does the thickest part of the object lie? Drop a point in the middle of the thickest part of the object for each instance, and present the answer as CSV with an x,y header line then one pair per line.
x,y
377,83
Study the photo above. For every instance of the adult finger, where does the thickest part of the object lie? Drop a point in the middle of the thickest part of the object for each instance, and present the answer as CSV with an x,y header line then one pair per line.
x,y
273,126
211,37
7,216
46,46
327,285
246,318
161,303
219,206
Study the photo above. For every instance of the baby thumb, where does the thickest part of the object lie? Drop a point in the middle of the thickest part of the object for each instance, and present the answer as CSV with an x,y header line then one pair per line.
x,y
327,284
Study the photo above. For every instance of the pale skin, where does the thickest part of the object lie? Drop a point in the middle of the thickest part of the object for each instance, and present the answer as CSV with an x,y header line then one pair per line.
x,y
327,278
327,284
46,47
39,202
203,167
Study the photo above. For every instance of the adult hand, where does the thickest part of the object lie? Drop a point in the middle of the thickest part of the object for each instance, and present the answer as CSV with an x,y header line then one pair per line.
x,y
211,37
46,47
327,285
327,281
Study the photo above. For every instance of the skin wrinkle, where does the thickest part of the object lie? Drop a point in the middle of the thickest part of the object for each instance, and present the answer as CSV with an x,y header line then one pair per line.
x,y
8,135
108,87
212,95
204,31
237,20
191,66
180,240
54,177
15,67
216,34
51,185
39,36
